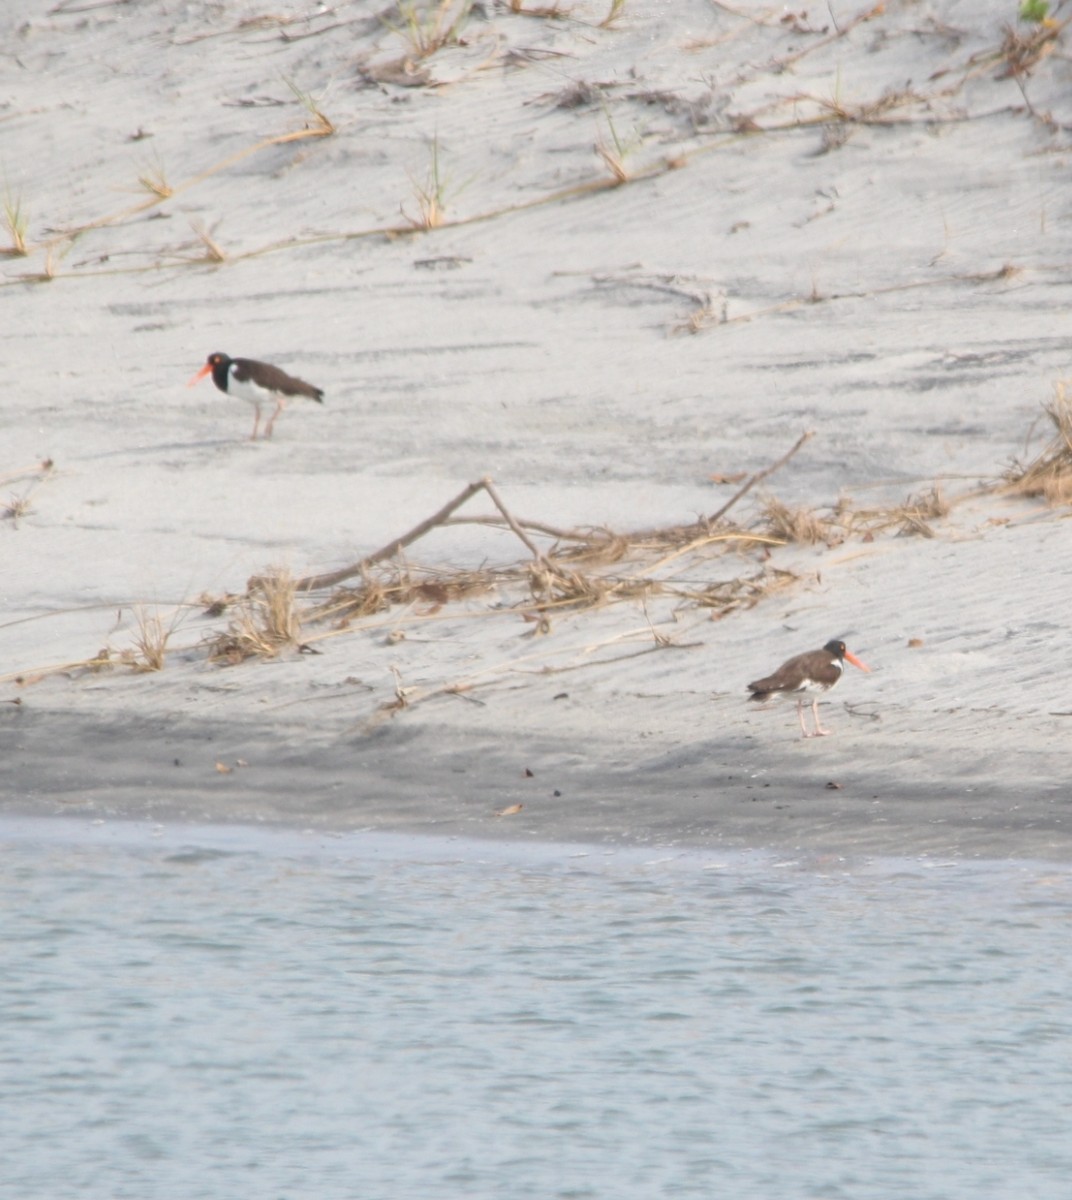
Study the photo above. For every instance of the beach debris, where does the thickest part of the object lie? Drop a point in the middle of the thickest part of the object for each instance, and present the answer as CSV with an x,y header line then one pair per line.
x,y
216,606
1049,474
510,810
265,621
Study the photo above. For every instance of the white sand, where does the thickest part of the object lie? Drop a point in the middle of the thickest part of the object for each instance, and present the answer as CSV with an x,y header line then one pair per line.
x,y
541,347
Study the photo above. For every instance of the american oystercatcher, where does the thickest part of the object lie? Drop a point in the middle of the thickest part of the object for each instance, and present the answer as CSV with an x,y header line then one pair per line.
x,y
257,383
816,671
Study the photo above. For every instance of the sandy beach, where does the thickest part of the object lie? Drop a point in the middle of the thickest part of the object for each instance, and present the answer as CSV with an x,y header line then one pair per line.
x,y
618,260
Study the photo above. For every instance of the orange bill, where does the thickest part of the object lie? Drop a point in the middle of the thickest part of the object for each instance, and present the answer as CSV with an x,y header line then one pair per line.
x,y
200,374
856,662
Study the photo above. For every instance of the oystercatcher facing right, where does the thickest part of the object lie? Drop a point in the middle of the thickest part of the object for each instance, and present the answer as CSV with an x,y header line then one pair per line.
x,y
257,383
816,671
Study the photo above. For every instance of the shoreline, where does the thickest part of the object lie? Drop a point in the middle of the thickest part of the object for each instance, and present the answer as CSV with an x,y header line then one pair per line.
x,y
193,843
449,781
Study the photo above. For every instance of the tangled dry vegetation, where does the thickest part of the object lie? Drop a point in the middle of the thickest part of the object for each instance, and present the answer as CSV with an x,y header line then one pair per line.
x,y
19,502
914,517
1048,475
580,570
589,569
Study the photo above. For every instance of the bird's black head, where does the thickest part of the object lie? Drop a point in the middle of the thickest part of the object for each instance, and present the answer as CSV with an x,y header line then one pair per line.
x,y
836,647
218,359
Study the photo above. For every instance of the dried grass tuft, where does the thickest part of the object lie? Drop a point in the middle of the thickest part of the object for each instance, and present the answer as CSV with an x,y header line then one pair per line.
x,y
428,25
430,194
19,504
15,508
382,591
614,160
909,519
1023,49
16,224
149,652
265,621
800,525
601,547
153,179
1049,474
712,311
730,595
213,252
550,12
617,7
320,124
914,515
616,151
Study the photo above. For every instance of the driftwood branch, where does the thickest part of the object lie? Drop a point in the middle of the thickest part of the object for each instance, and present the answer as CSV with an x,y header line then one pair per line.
x,y
489,487
758,478
553,531
312,583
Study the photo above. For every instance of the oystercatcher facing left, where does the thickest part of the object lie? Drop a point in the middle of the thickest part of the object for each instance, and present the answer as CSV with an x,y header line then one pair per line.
x,y
257,383
816,671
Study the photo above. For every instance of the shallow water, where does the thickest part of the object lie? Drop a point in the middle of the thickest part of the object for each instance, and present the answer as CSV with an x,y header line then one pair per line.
x,y
220,1013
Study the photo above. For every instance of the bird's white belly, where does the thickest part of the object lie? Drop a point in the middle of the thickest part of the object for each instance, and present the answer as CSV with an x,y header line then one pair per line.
x,y
813,685
245,389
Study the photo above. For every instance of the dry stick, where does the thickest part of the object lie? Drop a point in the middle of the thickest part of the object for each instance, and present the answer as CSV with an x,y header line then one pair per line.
x,y
700,542
313,583
563,535
489,487
759,477
39,471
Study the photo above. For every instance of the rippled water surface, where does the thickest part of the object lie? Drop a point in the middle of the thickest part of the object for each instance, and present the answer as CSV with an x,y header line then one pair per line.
x,y
222,1013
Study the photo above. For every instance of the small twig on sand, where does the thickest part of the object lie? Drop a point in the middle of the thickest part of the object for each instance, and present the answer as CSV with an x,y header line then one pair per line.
x,y
757,478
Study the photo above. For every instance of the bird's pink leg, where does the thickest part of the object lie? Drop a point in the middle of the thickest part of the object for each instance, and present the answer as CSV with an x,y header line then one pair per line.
x,y
256,423
271,422
819,730
800,715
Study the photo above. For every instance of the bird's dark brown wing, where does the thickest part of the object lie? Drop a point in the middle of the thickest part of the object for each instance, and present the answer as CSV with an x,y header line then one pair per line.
x,y
816,667
274,379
